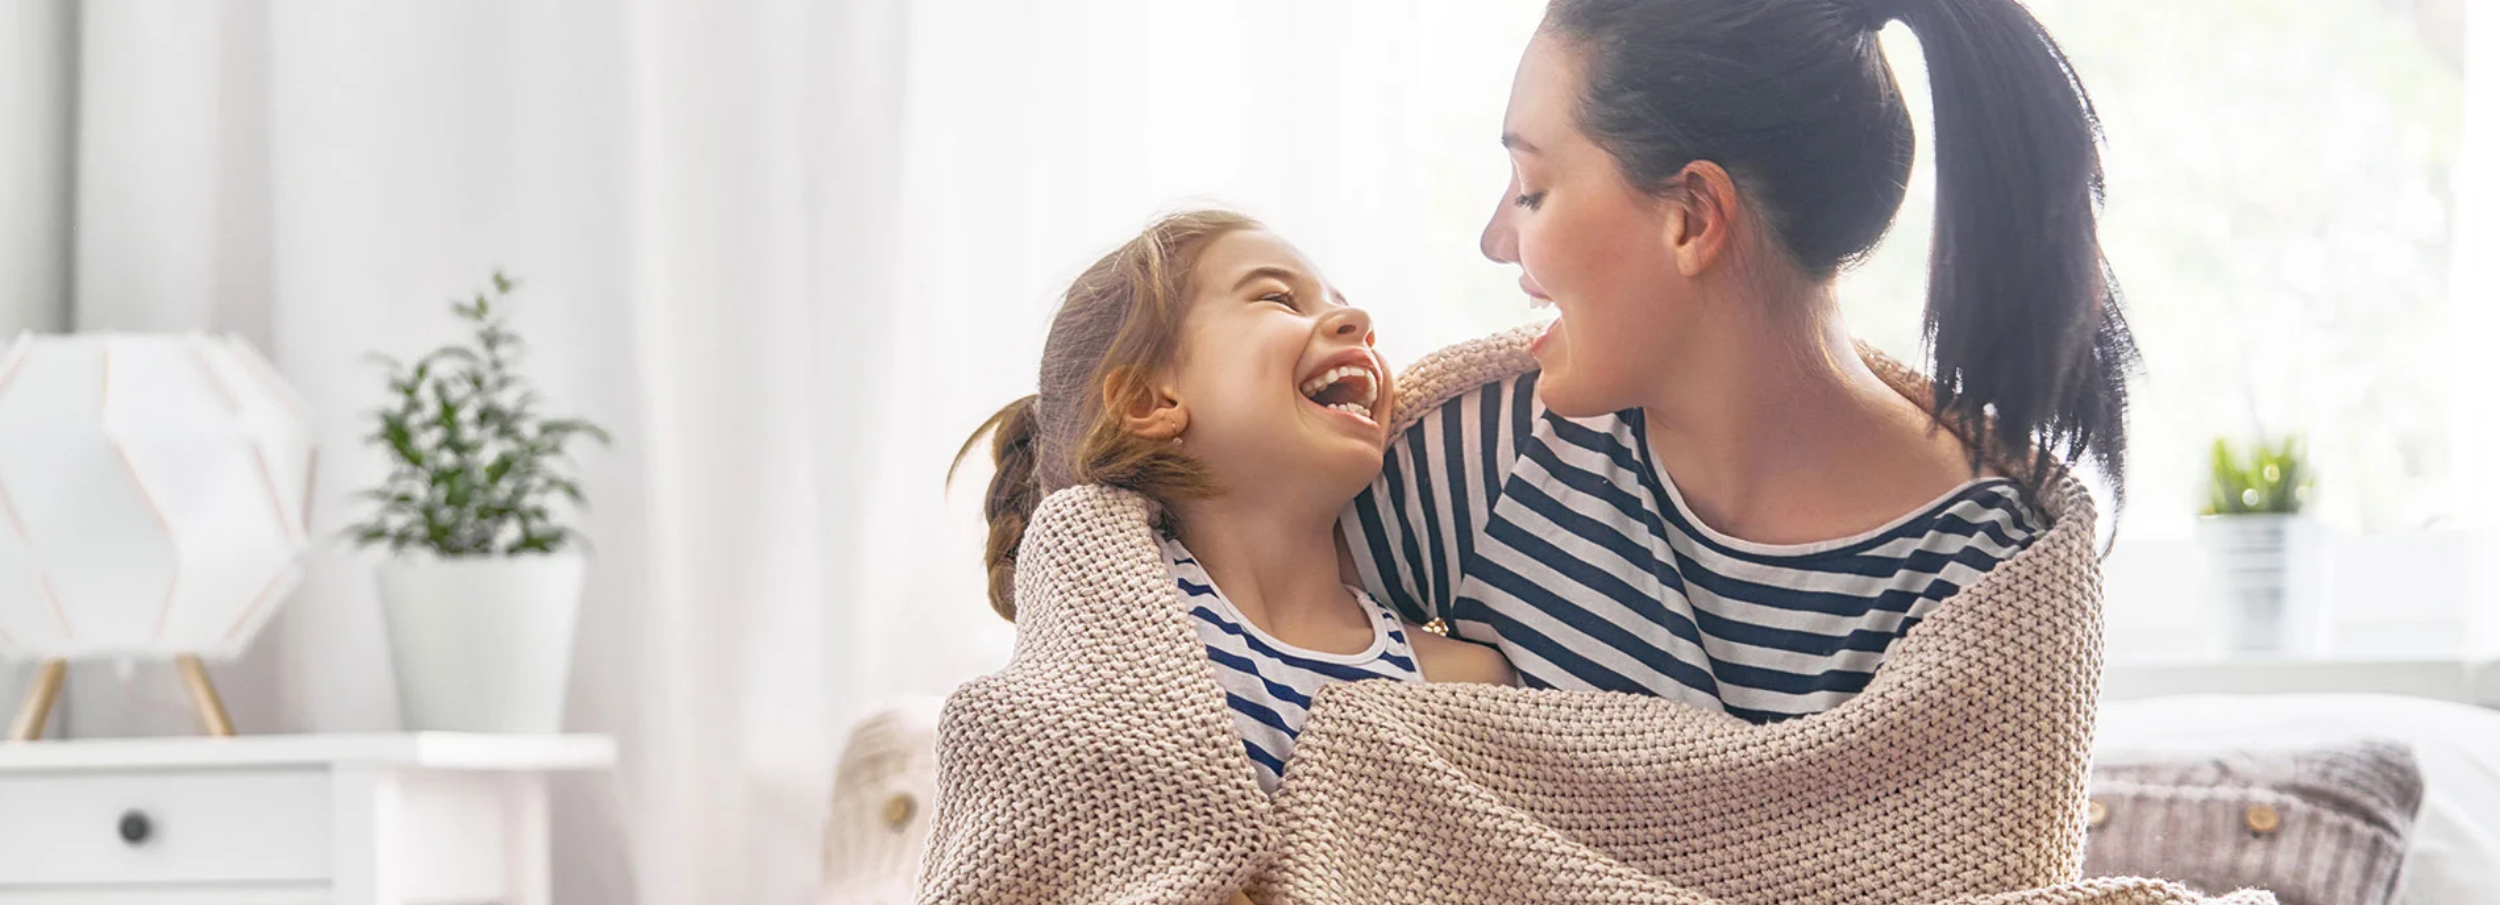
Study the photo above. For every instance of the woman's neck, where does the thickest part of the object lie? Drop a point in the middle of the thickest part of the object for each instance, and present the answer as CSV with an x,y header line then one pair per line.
x,y
1778,432
1275,562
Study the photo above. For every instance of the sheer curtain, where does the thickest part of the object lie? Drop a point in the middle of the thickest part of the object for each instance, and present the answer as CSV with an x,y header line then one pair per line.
x,y
2473,372
789,252
324,177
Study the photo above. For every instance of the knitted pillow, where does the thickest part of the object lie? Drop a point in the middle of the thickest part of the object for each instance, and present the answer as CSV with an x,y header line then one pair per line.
x,y
2318,826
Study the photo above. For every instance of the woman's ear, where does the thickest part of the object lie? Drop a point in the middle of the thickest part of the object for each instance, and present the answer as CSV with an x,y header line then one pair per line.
x,y
1145,408
1701,221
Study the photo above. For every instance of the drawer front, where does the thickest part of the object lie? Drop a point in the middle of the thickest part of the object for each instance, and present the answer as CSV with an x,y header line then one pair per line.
x,y
213,826
211,894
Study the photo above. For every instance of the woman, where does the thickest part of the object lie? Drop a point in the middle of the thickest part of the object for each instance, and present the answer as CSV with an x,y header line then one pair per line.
x,y
1705,493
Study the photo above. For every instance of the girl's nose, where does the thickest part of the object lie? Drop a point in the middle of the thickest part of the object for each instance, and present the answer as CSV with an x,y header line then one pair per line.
x,y
1353,322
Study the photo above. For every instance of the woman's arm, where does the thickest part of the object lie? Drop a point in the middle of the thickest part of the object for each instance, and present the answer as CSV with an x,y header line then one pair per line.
x,y
1407,536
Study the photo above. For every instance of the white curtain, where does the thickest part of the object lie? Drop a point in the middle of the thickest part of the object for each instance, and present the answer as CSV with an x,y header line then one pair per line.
x,y
789,252
2475,436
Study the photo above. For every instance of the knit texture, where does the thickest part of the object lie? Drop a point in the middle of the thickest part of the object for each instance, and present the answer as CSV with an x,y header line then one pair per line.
x,y
1100,766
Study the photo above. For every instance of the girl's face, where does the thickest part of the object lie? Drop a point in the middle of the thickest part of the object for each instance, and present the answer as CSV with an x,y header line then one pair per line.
x,y
1282,393
1587,241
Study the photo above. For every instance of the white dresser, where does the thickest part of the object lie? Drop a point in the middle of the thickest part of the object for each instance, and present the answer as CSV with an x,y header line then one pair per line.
x,y
403,819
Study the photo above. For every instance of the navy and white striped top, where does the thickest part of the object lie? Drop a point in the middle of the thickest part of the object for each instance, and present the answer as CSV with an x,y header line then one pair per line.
x,y
1269,683
1558,540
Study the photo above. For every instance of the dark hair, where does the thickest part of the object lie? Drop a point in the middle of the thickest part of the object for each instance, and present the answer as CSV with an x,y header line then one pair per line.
x,y
1119,322
1793,98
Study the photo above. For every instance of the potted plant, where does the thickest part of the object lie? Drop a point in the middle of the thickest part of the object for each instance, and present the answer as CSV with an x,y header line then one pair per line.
x,y
483,584
2265,555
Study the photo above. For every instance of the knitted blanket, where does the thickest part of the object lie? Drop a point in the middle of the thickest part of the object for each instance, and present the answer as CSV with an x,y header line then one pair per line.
x,y
1101,765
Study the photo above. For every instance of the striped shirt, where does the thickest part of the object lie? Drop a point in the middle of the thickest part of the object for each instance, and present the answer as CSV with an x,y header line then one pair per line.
x,y
1269,683
1560,541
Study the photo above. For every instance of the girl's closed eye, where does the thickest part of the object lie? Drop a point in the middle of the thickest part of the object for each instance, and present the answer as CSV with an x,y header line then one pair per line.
x,y
1284,298
1529,200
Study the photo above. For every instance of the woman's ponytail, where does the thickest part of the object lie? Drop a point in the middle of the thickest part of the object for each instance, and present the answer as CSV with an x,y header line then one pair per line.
x,y
1795,99
1014,491
2031,350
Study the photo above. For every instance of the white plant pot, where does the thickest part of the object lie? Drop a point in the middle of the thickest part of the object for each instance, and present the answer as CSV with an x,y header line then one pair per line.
x,y
482,644
2269,581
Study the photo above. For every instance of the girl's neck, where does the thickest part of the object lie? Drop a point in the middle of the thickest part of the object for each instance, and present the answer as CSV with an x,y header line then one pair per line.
x,y
1277,564
1778,432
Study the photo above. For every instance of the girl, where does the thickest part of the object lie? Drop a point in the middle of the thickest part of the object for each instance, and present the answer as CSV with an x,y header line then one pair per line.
x,y
1207,366
1707,494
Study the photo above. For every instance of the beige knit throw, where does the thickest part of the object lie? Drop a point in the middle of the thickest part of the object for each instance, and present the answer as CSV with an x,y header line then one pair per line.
x,y
1101,765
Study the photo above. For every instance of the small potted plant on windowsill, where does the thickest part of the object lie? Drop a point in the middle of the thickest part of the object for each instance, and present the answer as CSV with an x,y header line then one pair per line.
x,y
484,581
2265,554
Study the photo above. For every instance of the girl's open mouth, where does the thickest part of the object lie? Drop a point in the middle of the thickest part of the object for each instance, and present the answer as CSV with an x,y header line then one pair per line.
x,y
1347,383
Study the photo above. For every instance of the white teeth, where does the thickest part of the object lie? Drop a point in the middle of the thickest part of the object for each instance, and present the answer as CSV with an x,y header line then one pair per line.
x,y
1351,408
1371,386
1538,304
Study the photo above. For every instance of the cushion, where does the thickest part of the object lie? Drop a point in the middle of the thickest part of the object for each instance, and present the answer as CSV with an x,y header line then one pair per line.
x,y
882,789
2318,825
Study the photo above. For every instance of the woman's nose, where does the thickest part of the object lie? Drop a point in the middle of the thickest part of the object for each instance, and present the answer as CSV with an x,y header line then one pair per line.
x,y
1500,242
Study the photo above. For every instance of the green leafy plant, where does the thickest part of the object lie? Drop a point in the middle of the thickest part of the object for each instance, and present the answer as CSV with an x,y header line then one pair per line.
x,y
476,470
2264,479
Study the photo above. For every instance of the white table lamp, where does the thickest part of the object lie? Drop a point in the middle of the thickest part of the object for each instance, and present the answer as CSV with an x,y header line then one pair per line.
x,y
155,495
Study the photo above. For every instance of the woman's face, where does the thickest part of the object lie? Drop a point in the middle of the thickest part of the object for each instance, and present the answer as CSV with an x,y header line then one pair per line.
x,y
1283,392
1586,240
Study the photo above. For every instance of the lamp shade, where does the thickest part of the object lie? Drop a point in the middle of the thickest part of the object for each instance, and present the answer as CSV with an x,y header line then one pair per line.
x,y
154,495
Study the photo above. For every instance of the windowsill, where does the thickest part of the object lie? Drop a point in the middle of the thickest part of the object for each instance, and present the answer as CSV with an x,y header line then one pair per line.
x,y
2403,615
2455,678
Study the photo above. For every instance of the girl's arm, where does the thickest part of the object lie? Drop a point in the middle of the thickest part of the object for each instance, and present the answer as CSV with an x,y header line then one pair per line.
x,y
1452,660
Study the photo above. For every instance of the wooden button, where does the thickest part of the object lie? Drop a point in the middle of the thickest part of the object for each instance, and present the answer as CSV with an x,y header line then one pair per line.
x,y
2263,819
2096,814
898,810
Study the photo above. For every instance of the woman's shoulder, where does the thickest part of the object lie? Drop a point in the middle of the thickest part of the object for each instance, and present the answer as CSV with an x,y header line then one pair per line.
x,y
1452,370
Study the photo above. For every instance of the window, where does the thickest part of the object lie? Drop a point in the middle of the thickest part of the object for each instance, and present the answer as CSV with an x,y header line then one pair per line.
x,y
2279,210
2280,213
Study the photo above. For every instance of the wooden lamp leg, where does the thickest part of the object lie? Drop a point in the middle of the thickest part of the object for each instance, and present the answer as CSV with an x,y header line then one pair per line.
x,y
204,695
39,697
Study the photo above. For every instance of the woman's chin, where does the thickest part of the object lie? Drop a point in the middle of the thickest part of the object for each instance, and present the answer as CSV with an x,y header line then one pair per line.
x,y
1557,386
1565,393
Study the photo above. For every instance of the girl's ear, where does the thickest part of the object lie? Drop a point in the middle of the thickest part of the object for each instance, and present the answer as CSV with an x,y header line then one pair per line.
x,y
1147,409
1701,222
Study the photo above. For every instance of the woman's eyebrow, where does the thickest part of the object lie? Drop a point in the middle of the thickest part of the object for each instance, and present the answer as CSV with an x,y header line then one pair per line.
x,y
1512,141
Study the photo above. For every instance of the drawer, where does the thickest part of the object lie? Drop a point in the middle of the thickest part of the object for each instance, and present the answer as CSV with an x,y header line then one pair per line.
x,y
212,894
209,826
